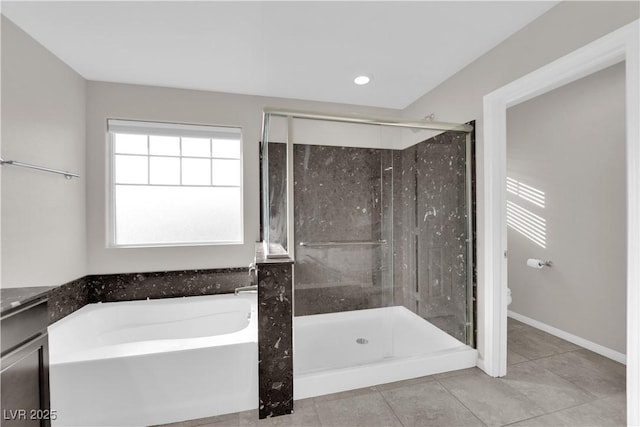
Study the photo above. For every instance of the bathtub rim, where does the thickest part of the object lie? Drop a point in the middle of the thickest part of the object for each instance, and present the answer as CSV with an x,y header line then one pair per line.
x,y
248,334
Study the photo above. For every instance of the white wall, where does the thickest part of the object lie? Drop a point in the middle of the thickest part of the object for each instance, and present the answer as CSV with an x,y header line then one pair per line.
x,y
110,100
563,29
570,144
43,122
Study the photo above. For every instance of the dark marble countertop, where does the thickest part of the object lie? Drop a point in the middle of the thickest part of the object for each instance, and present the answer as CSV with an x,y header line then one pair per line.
x,y
11,298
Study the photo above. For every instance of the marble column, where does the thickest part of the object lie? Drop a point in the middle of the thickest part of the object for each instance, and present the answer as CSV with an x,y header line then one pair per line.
x,y
275,335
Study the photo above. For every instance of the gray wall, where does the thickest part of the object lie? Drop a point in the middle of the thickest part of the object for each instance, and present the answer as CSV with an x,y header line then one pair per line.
x,y
43,122
570,143
565,28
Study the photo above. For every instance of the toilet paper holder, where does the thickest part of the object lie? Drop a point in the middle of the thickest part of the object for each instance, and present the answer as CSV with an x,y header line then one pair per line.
x,y
538,263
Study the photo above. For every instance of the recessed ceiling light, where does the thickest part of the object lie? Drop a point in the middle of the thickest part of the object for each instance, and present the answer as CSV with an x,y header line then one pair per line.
x,y
362,80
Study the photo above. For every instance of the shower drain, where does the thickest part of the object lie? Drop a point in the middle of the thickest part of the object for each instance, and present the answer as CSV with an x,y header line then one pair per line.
x,y
362,341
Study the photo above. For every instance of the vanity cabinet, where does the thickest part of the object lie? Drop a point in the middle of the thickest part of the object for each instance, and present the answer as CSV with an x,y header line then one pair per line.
x,y
24,365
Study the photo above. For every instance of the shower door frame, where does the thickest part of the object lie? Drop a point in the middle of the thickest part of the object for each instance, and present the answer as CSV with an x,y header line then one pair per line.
x,y
269,112
617,46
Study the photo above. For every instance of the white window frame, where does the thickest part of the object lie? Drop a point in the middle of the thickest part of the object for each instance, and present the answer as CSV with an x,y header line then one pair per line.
x,y
142,127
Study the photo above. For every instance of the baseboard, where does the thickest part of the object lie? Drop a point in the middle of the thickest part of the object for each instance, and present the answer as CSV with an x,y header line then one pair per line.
x,y
596,348
480,364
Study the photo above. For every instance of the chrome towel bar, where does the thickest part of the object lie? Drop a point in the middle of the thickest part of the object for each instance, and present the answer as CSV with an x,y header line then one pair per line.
x,y
66,174
346,243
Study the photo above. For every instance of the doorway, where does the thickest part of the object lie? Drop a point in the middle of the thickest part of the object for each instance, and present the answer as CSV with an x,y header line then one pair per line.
x,y
621,45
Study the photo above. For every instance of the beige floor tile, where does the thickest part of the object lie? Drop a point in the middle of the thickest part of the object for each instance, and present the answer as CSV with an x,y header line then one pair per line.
x,y
600,413
535,344
368,410
587,372
429,404
227,420
490,399
304,414
546,389
404,383
514,358
474,371
515,325
548,420
345,394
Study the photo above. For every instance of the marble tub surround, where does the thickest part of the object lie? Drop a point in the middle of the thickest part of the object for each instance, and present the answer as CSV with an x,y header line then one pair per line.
x,y
165,284
71,296
67,298
275,335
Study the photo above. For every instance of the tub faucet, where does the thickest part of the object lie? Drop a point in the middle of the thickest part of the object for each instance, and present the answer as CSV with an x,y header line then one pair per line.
x,y
251,288
253,274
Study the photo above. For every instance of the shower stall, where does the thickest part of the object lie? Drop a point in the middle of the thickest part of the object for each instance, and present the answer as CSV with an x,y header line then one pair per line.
x,y
378,216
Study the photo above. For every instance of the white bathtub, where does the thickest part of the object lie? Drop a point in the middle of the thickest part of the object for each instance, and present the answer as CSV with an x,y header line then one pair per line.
x,y
139,363
397,345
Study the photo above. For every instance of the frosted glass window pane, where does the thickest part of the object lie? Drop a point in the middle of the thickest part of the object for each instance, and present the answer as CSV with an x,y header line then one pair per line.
x,y
171,215
131,169
130,144
165,170
164,145
196,171
226,172
196,147
226,148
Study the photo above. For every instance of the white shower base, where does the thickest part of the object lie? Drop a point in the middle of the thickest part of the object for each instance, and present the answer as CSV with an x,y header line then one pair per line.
x,y
399,345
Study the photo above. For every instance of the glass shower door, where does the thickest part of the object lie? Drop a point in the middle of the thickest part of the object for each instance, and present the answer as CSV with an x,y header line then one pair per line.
x,y
343,213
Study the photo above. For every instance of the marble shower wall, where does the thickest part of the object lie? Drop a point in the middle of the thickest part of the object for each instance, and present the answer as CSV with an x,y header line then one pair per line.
x,y
414,199
341,194
430,231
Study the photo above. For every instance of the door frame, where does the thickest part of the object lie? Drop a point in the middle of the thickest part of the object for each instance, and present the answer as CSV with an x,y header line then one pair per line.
x,y
617,46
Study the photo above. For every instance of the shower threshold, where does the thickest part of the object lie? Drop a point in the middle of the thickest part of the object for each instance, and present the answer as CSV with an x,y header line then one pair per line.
x,y
347,350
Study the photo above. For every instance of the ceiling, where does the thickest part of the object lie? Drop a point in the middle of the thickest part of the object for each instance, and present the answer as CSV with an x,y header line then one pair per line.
x,y
294,49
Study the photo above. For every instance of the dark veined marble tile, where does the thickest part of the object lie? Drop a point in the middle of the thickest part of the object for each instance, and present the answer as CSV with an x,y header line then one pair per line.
x,y
165,284
67,298
275,338
431,231
72,296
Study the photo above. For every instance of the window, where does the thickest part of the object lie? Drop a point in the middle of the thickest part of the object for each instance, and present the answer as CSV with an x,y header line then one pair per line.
x,y
175,184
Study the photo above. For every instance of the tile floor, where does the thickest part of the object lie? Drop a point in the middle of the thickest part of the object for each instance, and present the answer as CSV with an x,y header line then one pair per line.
x,y
550,382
